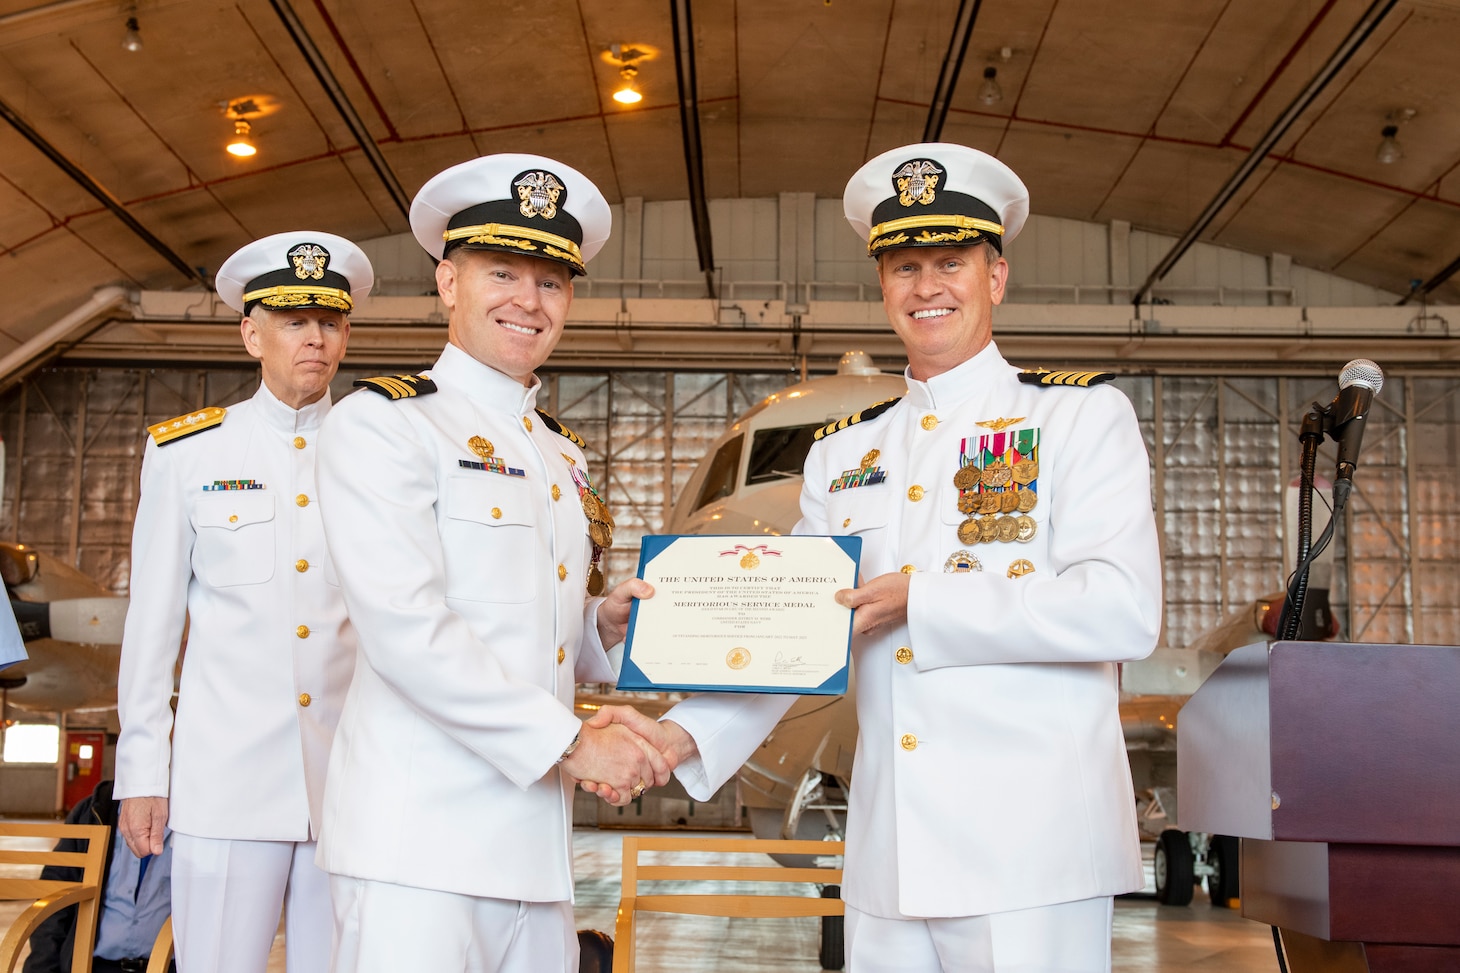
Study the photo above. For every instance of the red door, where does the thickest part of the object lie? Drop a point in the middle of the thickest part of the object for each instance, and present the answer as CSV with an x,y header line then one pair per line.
x,y
83,764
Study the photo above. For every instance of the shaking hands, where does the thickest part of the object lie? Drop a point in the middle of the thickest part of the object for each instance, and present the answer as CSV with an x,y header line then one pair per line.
x,y
621,753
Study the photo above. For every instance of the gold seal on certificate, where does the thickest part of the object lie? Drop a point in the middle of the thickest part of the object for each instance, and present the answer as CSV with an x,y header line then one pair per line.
x,y
742,614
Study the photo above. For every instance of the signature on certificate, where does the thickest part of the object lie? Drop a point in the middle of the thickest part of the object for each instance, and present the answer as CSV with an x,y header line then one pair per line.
x,y
784,664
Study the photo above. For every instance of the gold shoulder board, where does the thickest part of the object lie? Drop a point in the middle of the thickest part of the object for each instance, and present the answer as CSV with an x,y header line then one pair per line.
x,y
397,386
187,425
871,412
562,430
1043,376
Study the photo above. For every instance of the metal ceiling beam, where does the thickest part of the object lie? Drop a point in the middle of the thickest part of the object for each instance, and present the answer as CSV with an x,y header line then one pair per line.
x,y
952,64
45,9
1424,289
689,126
1345,50
342,104
62,335
103,195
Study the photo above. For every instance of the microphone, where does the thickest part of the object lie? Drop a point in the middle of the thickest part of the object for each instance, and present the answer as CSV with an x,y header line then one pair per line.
x,y
1358,383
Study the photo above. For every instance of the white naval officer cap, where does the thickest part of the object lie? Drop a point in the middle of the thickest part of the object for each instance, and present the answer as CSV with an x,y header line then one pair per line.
x,y
301,268
516,203
935,194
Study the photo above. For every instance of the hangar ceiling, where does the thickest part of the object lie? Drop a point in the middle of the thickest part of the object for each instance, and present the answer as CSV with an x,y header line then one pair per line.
x,y
1134,110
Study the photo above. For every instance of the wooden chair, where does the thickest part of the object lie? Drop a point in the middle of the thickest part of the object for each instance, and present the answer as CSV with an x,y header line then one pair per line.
x,y
53,896
161,949
734,905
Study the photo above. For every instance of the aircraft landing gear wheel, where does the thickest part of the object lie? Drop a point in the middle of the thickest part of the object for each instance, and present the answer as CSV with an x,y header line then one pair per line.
x,y
1224,883
1173,867
833,954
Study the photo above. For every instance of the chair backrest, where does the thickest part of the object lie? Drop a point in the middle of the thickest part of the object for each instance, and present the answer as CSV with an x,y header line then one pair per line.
x,y
735,904
50,897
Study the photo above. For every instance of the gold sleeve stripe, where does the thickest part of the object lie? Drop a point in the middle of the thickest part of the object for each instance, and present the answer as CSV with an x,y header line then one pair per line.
x,y
187,425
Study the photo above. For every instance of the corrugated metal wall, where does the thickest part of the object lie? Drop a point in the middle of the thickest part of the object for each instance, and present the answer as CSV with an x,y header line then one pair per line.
x,y
1226,448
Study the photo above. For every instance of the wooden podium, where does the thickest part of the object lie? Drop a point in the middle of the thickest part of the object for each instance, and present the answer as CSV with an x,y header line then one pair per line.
x,y
1338,765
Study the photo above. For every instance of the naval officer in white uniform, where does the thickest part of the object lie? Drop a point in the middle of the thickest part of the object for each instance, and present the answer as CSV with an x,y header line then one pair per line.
x,y
1009,562
229,545
468,531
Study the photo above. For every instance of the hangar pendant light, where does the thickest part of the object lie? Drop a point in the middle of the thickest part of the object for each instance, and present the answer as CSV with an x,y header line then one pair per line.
x,y
628,92
1389,149
627,57
989,93
241,145
132,39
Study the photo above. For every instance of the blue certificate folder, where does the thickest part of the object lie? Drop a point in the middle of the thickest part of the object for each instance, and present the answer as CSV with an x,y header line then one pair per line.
x,y
632,677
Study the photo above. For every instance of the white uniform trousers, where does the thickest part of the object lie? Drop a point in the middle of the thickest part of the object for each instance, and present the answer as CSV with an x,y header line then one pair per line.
x,y
1070,937
226,899
385,928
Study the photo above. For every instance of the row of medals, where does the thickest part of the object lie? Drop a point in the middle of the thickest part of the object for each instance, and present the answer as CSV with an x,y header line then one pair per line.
x,y
990,512
600,531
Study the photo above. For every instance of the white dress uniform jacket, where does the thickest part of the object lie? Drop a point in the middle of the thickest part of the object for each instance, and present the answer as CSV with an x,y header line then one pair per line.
x,y
990,772
269,650
468,589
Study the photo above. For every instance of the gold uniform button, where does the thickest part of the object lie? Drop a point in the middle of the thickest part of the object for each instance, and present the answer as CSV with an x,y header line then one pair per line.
x,y
302,500
556,492
299,442
527,422
305,699
302,631
909,742
847,522
233,518
301,565
904,655
915,493
930,422
561,655
908,569
562,573
496,513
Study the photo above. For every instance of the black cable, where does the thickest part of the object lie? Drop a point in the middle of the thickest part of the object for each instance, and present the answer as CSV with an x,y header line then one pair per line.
x,y
1291,620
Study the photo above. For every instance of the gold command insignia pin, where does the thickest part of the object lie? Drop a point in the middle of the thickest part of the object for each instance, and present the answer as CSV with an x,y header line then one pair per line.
x,y
480,446
1020,568
998,425
870,458
737,658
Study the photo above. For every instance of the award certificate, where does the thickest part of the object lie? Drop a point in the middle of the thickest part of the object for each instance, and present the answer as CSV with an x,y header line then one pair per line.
x,y
750,614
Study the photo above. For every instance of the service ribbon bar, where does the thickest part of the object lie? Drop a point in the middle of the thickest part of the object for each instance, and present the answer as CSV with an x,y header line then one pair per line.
x,y
234,485
492,465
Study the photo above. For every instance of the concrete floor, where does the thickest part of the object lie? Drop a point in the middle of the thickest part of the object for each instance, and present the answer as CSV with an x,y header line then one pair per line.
x,y
1148,937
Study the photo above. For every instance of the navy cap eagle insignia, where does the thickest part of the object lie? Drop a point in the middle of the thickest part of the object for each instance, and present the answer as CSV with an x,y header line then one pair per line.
x,y
538,192
916,181
310,261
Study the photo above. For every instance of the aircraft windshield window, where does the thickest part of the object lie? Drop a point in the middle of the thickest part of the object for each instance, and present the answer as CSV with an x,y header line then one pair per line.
x,y
779,453
720,479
